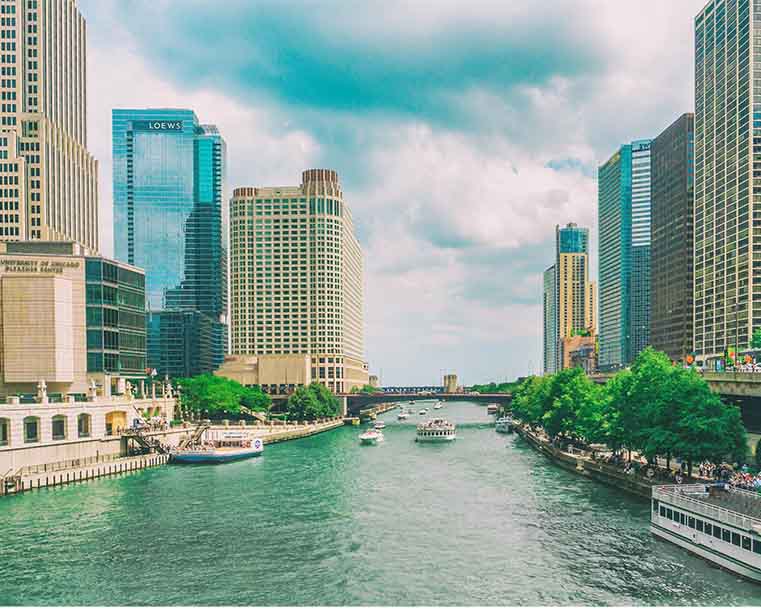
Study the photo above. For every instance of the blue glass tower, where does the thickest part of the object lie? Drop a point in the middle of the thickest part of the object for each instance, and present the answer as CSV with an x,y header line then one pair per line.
x,y
624,192
169,174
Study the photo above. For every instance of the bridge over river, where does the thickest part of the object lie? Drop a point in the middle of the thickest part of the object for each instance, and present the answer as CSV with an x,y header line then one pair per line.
x,y
353,403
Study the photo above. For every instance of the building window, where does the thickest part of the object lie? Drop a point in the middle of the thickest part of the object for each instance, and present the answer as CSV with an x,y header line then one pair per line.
x,y
84,422
5,432
59,427
31,429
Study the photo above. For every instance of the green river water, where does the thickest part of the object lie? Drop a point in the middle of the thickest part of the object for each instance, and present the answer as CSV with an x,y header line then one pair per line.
x,y
324,521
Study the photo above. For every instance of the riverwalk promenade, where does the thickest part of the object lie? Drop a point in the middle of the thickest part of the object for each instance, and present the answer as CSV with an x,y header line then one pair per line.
x,y
81,470
581,462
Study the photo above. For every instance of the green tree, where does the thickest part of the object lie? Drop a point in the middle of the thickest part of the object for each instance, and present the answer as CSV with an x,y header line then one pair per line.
x,y
312,402
216,395
755,341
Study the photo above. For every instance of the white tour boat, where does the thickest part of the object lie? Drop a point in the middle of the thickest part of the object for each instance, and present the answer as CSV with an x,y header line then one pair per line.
x,y
713,521
402,415
504,425
371,436
437,406
435,430
220,447
423,411
379,424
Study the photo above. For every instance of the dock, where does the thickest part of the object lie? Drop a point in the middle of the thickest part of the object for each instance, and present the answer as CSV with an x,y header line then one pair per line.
x,y
82,470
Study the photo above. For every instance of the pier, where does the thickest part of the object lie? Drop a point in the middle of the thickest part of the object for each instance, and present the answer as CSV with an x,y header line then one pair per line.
x,y
89,468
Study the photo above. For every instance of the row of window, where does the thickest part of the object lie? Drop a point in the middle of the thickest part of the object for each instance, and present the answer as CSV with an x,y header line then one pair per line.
x,y
708,528
59,429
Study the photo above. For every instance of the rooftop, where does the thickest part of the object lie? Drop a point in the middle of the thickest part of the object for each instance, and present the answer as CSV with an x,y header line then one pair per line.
x,y
747,503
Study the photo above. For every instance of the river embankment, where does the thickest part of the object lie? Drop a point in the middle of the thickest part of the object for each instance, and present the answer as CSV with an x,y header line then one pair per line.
x,y
582,463
81,470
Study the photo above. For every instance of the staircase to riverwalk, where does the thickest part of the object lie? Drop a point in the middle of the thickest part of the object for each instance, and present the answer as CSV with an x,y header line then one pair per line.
x,y
149,443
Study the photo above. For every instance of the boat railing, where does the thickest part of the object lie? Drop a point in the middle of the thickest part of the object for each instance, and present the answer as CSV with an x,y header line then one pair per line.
x,y
675,495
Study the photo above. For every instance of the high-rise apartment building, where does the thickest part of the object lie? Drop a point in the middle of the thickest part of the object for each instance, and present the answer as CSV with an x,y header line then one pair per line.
x,y
169,180
727,260
296,276
48,179
568,295
550,335
623,199
671,264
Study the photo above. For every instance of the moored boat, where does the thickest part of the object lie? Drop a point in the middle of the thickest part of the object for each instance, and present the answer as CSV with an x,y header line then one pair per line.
x,y
402,415
379,425
371,436
220,447
437,406
436,430
423,411
504,425
492,408
714,521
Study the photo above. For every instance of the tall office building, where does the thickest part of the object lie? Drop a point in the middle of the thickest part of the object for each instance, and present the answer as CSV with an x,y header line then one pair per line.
x,y
672,163
727,304
48,179
624,244
296,276
568,296
550,335
169,179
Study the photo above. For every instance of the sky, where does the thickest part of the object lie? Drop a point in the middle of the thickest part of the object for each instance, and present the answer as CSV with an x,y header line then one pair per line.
x,y
462,134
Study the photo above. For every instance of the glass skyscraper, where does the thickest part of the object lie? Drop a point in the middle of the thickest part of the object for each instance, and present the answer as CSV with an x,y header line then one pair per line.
x,y
169,178
624,265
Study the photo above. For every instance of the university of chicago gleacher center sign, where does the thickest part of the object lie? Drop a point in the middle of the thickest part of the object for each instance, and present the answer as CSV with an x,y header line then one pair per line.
x,y
157,125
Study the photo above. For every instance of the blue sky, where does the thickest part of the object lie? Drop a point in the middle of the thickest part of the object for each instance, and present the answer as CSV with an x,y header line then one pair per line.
x,y
462,132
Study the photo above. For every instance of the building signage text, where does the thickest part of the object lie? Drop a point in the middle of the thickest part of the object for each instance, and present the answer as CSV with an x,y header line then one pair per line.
x,y
10,265
157,125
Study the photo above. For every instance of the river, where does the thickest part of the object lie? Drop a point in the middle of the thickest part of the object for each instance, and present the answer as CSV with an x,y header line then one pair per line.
x,y
324,521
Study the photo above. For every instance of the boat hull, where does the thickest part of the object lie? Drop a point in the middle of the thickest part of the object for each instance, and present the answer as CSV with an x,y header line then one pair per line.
x,y
213,457
726,563
435,439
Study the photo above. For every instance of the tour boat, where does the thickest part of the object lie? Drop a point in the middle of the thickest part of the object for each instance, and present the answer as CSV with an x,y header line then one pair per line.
x,y
371,436
492,408
435,430
714,521
220,447
379,425
423,411
437,406
504,425
402,415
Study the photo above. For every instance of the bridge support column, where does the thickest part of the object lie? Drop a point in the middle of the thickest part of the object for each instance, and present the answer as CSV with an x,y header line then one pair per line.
x,y
344,406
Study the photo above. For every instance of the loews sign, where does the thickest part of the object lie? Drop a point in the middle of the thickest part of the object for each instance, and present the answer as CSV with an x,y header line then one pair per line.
x,y
157,125
37,266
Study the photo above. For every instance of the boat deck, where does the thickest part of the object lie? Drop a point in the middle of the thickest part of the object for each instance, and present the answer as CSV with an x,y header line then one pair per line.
x,y
742,502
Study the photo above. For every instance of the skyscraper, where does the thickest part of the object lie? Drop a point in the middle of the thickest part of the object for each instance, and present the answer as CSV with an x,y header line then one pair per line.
x,y
550,335
727,131
48,179
623,198
672,163
296,278
169,179
568,295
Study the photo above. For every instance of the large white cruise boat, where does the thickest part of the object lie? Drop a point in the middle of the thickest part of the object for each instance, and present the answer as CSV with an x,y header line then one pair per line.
x,y
435,430
714,521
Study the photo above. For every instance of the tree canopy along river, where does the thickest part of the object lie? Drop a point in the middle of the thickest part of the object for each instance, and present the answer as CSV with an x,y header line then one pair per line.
x,y
324,521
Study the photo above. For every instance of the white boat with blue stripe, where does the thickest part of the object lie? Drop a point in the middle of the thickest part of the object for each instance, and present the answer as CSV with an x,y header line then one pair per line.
x,y
220,447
